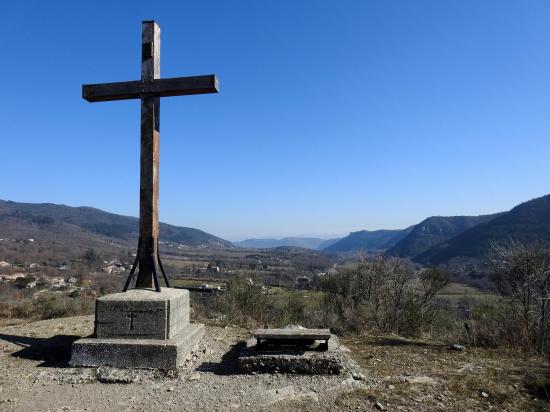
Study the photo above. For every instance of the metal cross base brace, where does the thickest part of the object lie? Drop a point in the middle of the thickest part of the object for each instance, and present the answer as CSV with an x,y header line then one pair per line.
x,y
154,263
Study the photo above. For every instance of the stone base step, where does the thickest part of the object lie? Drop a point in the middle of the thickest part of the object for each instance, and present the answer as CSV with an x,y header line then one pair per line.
x,y
137,353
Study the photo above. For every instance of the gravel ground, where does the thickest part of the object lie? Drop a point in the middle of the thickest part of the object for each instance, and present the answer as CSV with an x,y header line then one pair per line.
x,y
34,376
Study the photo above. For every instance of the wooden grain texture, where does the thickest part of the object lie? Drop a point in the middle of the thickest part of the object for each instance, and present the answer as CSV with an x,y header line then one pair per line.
x,y
176,86
305,334
149,158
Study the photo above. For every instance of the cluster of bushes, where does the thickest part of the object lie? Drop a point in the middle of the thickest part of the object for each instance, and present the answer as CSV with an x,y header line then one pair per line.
x,y
21,304
248,303
519,317
379,294
382,295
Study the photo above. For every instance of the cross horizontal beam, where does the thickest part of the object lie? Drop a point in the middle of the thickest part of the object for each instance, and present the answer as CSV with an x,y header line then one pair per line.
x,y
175,86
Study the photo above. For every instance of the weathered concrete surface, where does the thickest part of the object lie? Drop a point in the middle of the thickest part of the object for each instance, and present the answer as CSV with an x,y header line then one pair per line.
x,y
137,353
142,314
307,360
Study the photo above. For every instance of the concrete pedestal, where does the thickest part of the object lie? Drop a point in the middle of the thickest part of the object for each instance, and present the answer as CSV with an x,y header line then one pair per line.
x,y
140,329
313,360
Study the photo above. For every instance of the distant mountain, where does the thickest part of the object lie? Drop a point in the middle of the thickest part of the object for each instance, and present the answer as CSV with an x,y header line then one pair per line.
x,y
301,242
49,220
528,223
327,243
368,240
433,231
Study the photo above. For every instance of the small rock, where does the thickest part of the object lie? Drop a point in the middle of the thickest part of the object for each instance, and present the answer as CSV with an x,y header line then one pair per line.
x,y
358,376
422,380
457,347
379,406
171,389
484,394
391,387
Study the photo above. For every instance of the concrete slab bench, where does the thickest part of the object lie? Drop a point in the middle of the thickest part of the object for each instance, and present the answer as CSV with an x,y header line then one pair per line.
x,y
289,336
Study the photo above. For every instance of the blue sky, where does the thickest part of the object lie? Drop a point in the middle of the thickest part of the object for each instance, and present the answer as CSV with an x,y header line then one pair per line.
x,y
334,116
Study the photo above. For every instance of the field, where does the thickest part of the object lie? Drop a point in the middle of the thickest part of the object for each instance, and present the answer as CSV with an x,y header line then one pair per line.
x,y
196,282
454,292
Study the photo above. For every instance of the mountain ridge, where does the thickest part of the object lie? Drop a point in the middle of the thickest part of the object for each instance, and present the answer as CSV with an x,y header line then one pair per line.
x,y
434,230
366,240
528,222
50,216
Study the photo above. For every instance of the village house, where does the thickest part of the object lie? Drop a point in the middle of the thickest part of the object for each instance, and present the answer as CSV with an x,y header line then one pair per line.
x,y
57,282
113,267
71,280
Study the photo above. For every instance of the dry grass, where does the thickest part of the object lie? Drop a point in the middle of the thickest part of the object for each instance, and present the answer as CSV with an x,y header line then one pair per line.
x,y
418,375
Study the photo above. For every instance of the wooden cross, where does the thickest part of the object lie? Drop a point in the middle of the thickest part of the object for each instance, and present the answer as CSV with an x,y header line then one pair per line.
x,y
149,89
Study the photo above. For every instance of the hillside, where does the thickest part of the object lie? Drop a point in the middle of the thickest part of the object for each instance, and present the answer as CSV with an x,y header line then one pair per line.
x,y
434,230
368,240
529,223
302,242
86,226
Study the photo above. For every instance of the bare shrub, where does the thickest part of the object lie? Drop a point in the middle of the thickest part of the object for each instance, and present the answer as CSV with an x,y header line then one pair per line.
x,y
49,306
380,294
243,301
21,304
421,309
522,277
105,284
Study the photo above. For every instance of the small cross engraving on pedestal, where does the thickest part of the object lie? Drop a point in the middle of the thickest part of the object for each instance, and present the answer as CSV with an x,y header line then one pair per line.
x,y
131,316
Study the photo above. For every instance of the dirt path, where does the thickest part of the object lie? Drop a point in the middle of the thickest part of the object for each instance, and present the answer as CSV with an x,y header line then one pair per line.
x,y
34,377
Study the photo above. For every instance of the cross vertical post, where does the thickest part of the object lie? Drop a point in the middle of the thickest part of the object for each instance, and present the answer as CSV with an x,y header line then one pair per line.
x,y
149,162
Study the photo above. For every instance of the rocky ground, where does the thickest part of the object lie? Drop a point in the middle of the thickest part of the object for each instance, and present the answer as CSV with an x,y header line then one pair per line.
x,y
416,375
398,375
